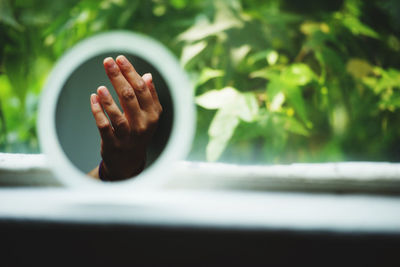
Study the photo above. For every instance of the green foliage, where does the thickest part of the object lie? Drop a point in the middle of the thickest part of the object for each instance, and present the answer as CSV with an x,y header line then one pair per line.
x,y
275,81
232,107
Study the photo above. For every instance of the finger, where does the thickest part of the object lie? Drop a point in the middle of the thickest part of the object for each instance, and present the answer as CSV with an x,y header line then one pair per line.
x,y
102,122
142,92
148,78
126,94
118,120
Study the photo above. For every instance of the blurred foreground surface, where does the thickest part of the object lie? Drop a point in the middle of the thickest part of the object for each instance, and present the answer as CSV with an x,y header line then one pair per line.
x,y
197,228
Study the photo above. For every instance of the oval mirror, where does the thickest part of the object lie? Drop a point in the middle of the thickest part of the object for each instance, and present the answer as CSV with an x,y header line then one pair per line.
x,y
67,128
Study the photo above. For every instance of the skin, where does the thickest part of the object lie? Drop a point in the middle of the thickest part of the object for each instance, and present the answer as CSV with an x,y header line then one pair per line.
x,y
125,135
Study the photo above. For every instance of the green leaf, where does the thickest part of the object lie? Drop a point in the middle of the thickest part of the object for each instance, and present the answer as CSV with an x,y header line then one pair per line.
x,y
246,106
358,68
239,53
298,74
233,107
295,98
220,132
203,29
277,101
275,95
294,126
243,105
208,74
293,94
390,79
272,57
358,28
179,4
330,59
310,28
384,80
191,51
215,99
267,73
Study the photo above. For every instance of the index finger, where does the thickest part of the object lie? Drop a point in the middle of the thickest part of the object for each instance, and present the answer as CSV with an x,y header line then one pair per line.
x,y
126,94
136,81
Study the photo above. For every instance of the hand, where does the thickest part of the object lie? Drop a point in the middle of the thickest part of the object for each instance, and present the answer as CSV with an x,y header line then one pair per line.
x,y
125,136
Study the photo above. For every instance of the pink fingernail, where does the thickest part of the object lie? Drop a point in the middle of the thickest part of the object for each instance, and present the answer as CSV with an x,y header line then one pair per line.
x,y
148,78
102,91
109,63
93,98
122,60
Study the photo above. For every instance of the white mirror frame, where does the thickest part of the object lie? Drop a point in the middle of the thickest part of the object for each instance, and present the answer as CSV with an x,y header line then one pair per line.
x,y
176,79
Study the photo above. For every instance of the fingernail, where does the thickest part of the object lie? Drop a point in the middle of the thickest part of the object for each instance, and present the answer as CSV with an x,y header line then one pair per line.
x,y
102,90
147,77
93,98
109,62
122,60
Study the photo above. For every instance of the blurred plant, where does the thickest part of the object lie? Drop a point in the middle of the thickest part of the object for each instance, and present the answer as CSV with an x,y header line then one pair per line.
x,y
303,87
275,81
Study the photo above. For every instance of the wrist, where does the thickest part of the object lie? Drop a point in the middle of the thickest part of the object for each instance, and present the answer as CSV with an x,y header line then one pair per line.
x,y
103,173
114,174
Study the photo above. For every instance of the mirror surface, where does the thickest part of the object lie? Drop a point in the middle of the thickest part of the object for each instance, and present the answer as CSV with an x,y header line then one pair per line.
x,y
75,126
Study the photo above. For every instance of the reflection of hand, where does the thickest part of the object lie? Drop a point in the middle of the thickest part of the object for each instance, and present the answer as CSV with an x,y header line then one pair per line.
x,y
125,136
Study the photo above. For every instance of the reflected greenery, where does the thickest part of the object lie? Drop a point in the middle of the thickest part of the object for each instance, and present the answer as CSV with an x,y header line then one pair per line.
x,y
276,81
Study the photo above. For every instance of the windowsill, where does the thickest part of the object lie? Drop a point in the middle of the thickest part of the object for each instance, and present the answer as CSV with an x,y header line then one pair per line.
x,y
205,207
343,177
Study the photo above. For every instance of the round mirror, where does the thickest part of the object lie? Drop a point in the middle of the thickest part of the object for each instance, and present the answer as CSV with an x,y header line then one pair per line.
x,y
68,128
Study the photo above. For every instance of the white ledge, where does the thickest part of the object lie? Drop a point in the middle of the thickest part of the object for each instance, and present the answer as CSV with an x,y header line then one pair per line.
x,y
339,177
179,207
32,170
